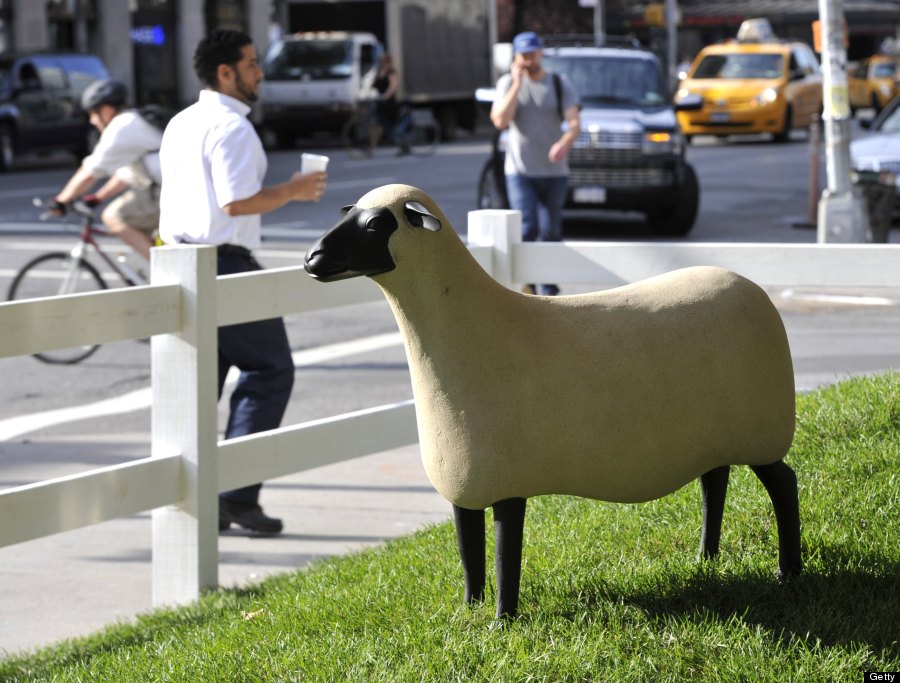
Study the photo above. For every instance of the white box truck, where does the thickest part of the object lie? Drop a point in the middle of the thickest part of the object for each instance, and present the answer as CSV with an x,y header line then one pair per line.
x,y
315,73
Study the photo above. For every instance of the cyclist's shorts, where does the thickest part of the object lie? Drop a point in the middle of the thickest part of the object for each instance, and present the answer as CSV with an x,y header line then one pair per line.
x,y
138,207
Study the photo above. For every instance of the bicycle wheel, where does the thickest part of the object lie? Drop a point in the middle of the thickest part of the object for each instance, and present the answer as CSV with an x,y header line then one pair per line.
x,y
357,136
53,275
423,138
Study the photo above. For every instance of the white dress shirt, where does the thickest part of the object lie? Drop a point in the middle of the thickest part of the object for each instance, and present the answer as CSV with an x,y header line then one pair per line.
x,y
210,157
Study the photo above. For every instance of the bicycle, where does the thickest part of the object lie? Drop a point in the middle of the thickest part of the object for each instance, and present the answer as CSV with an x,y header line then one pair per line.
x,y
58,273
416,131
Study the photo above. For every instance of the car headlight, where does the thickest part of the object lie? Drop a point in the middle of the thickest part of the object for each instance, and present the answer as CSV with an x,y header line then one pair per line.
x,y
885,89
682,93
767,96
662,142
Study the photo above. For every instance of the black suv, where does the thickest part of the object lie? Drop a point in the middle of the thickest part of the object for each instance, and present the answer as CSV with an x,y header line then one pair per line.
x,y
40,103
630,154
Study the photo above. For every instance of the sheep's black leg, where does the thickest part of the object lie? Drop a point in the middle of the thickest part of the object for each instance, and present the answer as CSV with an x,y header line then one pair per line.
x,y
781,484
713,486
509,525
470,537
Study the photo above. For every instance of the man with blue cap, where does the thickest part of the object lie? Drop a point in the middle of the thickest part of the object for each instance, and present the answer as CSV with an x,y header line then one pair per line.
x,y
541,110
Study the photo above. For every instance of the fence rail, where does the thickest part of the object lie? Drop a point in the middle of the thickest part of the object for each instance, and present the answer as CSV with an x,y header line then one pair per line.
x,y
185,304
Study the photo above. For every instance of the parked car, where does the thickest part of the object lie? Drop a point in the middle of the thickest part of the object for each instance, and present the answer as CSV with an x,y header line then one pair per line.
x,y
630,154
879,149
751,86
40,103
873,82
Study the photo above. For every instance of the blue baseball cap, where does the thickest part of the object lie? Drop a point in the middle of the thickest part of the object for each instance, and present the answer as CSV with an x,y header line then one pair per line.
x,y
527,42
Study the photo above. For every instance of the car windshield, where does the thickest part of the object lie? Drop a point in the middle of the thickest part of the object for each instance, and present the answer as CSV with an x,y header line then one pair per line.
x,y
611,80
741,65
884,70
309,60
892,123
83,71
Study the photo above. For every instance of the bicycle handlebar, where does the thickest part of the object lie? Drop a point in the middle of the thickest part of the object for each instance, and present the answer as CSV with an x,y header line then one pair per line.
x,y
78,207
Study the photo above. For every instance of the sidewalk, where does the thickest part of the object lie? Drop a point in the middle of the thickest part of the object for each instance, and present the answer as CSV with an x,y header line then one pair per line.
x,y
73,584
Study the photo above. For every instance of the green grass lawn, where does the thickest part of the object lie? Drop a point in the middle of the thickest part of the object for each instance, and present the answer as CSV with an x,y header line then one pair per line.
x,y
609,592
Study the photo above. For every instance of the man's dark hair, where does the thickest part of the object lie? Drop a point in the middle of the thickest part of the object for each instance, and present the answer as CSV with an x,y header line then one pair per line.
x,y
219,47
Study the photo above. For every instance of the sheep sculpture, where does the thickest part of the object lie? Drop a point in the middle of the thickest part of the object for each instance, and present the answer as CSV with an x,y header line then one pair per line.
x,y
620,395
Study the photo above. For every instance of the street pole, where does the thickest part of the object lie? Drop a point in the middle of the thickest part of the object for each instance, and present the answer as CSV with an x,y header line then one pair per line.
x,y
672,42
843,216
599,30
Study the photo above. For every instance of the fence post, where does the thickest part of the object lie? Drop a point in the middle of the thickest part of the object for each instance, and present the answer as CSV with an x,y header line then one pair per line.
x,y
499,229
184,420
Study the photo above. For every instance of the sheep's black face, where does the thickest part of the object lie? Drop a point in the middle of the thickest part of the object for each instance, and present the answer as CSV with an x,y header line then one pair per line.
x,y
356,245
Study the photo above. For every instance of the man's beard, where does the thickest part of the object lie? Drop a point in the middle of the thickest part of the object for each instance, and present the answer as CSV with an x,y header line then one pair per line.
x,y
248,94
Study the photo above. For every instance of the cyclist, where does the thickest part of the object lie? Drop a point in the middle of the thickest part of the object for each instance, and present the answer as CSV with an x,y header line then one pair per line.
x,y
128,154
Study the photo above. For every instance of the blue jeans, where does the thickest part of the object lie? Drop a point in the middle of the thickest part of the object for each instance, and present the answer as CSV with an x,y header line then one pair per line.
x,y
541,200
261,351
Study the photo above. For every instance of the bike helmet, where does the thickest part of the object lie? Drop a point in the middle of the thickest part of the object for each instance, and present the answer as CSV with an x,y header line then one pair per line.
x,y
103,92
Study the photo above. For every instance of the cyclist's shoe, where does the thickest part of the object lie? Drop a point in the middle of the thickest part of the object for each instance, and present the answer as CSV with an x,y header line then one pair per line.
x,y
247,516
403,151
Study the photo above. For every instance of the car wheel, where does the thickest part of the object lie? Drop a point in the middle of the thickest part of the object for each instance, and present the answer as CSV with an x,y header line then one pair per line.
x,y
91,137
491,188
676,220
7,148
784,135
876,105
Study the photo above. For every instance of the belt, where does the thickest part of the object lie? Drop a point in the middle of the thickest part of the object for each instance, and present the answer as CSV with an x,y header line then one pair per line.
x,y
234,250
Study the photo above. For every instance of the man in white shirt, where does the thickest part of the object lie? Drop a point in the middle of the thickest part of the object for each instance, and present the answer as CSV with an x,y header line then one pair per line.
x,y
213,165
128,154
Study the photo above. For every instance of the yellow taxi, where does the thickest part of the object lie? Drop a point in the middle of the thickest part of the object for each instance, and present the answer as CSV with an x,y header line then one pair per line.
x,y
873,82
752,87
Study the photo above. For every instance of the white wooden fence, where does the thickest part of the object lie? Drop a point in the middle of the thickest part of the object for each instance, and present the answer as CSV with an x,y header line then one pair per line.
x,y
186,302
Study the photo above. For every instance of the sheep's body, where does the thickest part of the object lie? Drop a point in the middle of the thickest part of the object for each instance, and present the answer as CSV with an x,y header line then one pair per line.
x,y
621,395
624,395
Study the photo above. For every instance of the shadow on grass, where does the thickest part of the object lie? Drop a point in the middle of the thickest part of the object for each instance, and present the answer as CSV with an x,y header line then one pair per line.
x,y
854,603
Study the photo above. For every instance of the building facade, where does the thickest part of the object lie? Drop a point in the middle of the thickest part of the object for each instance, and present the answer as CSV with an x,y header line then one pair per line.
x,y
147,44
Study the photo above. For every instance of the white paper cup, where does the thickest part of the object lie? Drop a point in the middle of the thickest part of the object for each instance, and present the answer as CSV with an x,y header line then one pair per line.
x,y
310,163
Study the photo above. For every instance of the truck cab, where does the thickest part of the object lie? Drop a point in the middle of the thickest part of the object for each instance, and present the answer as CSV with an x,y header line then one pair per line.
x,y
313,81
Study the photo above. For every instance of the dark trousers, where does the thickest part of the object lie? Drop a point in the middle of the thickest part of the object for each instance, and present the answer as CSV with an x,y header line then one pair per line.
x,y
261,351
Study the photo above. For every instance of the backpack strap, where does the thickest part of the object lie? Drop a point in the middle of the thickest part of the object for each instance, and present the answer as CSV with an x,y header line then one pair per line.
x,y
557,86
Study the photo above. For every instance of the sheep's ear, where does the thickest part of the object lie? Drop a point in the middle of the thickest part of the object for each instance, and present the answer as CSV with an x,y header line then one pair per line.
x,y
347,209
418,215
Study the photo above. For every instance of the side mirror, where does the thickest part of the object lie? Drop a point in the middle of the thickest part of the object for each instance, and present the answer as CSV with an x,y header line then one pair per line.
x,y
691,102
486,95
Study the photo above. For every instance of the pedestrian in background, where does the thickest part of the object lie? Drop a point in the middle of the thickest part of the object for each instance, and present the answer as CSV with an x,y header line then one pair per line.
x,y
534,104
213,166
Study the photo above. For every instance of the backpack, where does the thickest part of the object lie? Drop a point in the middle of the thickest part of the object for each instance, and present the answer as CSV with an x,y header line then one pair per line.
x,y
156,115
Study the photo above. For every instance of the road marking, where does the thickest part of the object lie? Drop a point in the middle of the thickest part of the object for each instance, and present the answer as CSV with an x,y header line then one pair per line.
x,y
141,399
848,299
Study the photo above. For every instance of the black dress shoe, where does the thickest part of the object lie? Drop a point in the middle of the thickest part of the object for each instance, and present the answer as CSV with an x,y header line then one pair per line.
x,y
247,516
